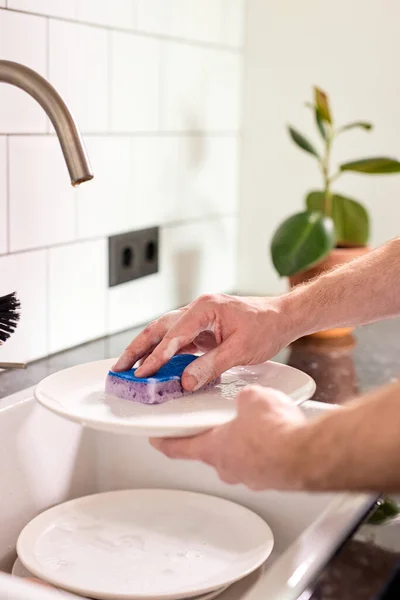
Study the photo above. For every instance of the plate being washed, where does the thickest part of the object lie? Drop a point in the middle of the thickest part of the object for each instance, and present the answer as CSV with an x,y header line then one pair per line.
x,y
19,570
78,394
145,545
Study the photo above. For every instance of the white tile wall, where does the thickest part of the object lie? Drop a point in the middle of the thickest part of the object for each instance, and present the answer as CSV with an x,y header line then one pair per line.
x,y
77,281
155,87
106,206
136,302
180,178
78,69
3,195
192,267
115,13
55,8
233,22
159,16
22,39
189,267
2,3
135,79
26,274
199,20
202,89
42,207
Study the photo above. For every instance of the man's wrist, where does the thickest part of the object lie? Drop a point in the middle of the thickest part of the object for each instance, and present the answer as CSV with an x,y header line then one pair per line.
x,y
297,312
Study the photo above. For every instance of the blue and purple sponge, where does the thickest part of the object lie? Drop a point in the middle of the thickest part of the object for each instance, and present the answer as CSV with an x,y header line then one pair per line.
x,y
162,386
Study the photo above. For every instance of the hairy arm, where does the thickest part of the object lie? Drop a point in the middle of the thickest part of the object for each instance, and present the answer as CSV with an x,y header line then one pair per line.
x,y
271,445
355,448
234,331
361,292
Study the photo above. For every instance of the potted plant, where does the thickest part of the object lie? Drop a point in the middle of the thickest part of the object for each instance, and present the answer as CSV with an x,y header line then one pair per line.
x,y
333,229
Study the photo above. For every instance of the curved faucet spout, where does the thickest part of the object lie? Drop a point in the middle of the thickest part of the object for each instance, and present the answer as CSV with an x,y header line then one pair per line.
x,y
67,131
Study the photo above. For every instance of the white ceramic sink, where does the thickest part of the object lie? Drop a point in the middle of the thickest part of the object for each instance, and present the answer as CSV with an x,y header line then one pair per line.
x,y
45,460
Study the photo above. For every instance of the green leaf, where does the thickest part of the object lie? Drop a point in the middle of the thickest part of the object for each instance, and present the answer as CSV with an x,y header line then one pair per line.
x,y
386,509
322,104
321,124
356,125
318,119
349,216
302,142
302,241
373,166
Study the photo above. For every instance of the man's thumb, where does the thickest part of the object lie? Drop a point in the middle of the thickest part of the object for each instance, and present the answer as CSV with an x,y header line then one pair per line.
x,y
208,367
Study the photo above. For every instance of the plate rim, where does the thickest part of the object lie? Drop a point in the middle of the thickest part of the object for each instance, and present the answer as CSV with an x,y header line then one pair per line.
x,y
51,404
122,596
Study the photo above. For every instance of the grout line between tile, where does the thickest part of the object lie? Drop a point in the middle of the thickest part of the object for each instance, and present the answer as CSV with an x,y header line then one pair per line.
x,y
47,294
48,124
110,98
169,225
161,84
8,202
172,134
152,35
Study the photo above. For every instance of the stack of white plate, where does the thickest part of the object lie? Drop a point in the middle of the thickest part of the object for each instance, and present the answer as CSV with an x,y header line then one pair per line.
x,y
145,545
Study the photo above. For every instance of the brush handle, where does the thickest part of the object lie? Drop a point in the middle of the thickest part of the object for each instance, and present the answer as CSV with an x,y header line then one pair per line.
x,y
10,365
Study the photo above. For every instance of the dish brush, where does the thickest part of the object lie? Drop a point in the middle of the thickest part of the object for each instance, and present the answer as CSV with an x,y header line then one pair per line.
x,y
9,317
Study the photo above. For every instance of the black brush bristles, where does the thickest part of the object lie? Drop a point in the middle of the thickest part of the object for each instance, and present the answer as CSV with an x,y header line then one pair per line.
x,y
9,315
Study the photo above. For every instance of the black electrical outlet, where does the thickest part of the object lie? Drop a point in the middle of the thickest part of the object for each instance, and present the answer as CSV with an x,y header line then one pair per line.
x,y
133,255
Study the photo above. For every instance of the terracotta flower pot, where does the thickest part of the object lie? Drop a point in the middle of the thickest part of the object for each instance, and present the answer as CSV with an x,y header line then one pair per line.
x,y
338,256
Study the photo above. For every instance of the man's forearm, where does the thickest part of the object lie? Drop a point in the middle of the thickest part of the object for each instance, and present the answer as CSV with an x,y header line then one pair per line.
x,y
360,292
354,448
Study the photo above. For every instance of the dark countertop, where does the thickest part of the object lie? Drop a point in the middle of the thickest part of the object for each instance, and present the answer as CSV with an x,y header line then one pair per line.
x,y
341,368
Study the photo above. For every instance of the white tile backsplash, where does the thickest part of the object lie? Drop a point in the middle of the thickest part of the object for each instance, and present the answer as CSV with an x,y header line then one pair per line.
x,y
202,89
186,87
233,22
106,205
155,88
78,68
135,79
185,177
198,20
115,13
3,195
26,274
224,110
203,20
77,293
42,200
192,267
189,267
165,17
55,8
136,302
22,40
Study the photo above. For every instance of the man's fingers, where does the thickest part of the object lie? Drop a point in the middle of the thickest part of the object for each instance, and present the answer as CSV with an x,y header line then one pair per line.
x,y
255,397
193,448
208,367
182,334
145,342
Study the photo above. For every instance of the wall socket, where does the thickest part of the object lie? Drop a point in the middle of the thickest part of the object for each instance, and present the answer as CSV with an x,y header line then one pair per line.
x,y
133,255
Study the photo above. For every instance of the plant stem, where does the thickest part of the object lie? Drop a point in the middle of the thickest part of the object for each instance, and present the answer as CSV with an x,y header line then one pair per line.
x,y
325,166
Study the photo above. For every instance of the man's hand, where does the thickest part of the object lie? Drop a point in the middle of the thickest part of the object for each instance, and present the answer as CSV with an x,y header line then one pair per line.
x,y
258,449
231,331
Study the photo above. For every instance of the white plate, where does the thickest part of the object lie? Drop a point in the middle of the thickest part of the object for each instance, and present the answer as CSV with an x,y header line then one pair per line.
x,y
78,394
145,544
19,570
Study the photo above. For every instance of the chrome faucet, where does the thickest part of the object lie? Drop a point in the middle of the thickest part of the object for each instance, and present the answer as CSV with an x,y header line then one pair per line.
x,y
67,131
50,100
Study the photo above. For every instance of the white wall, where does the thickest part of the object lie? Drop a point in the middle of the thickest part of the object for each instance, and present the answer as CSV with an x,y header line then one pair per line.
x,y
155,86
349,48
